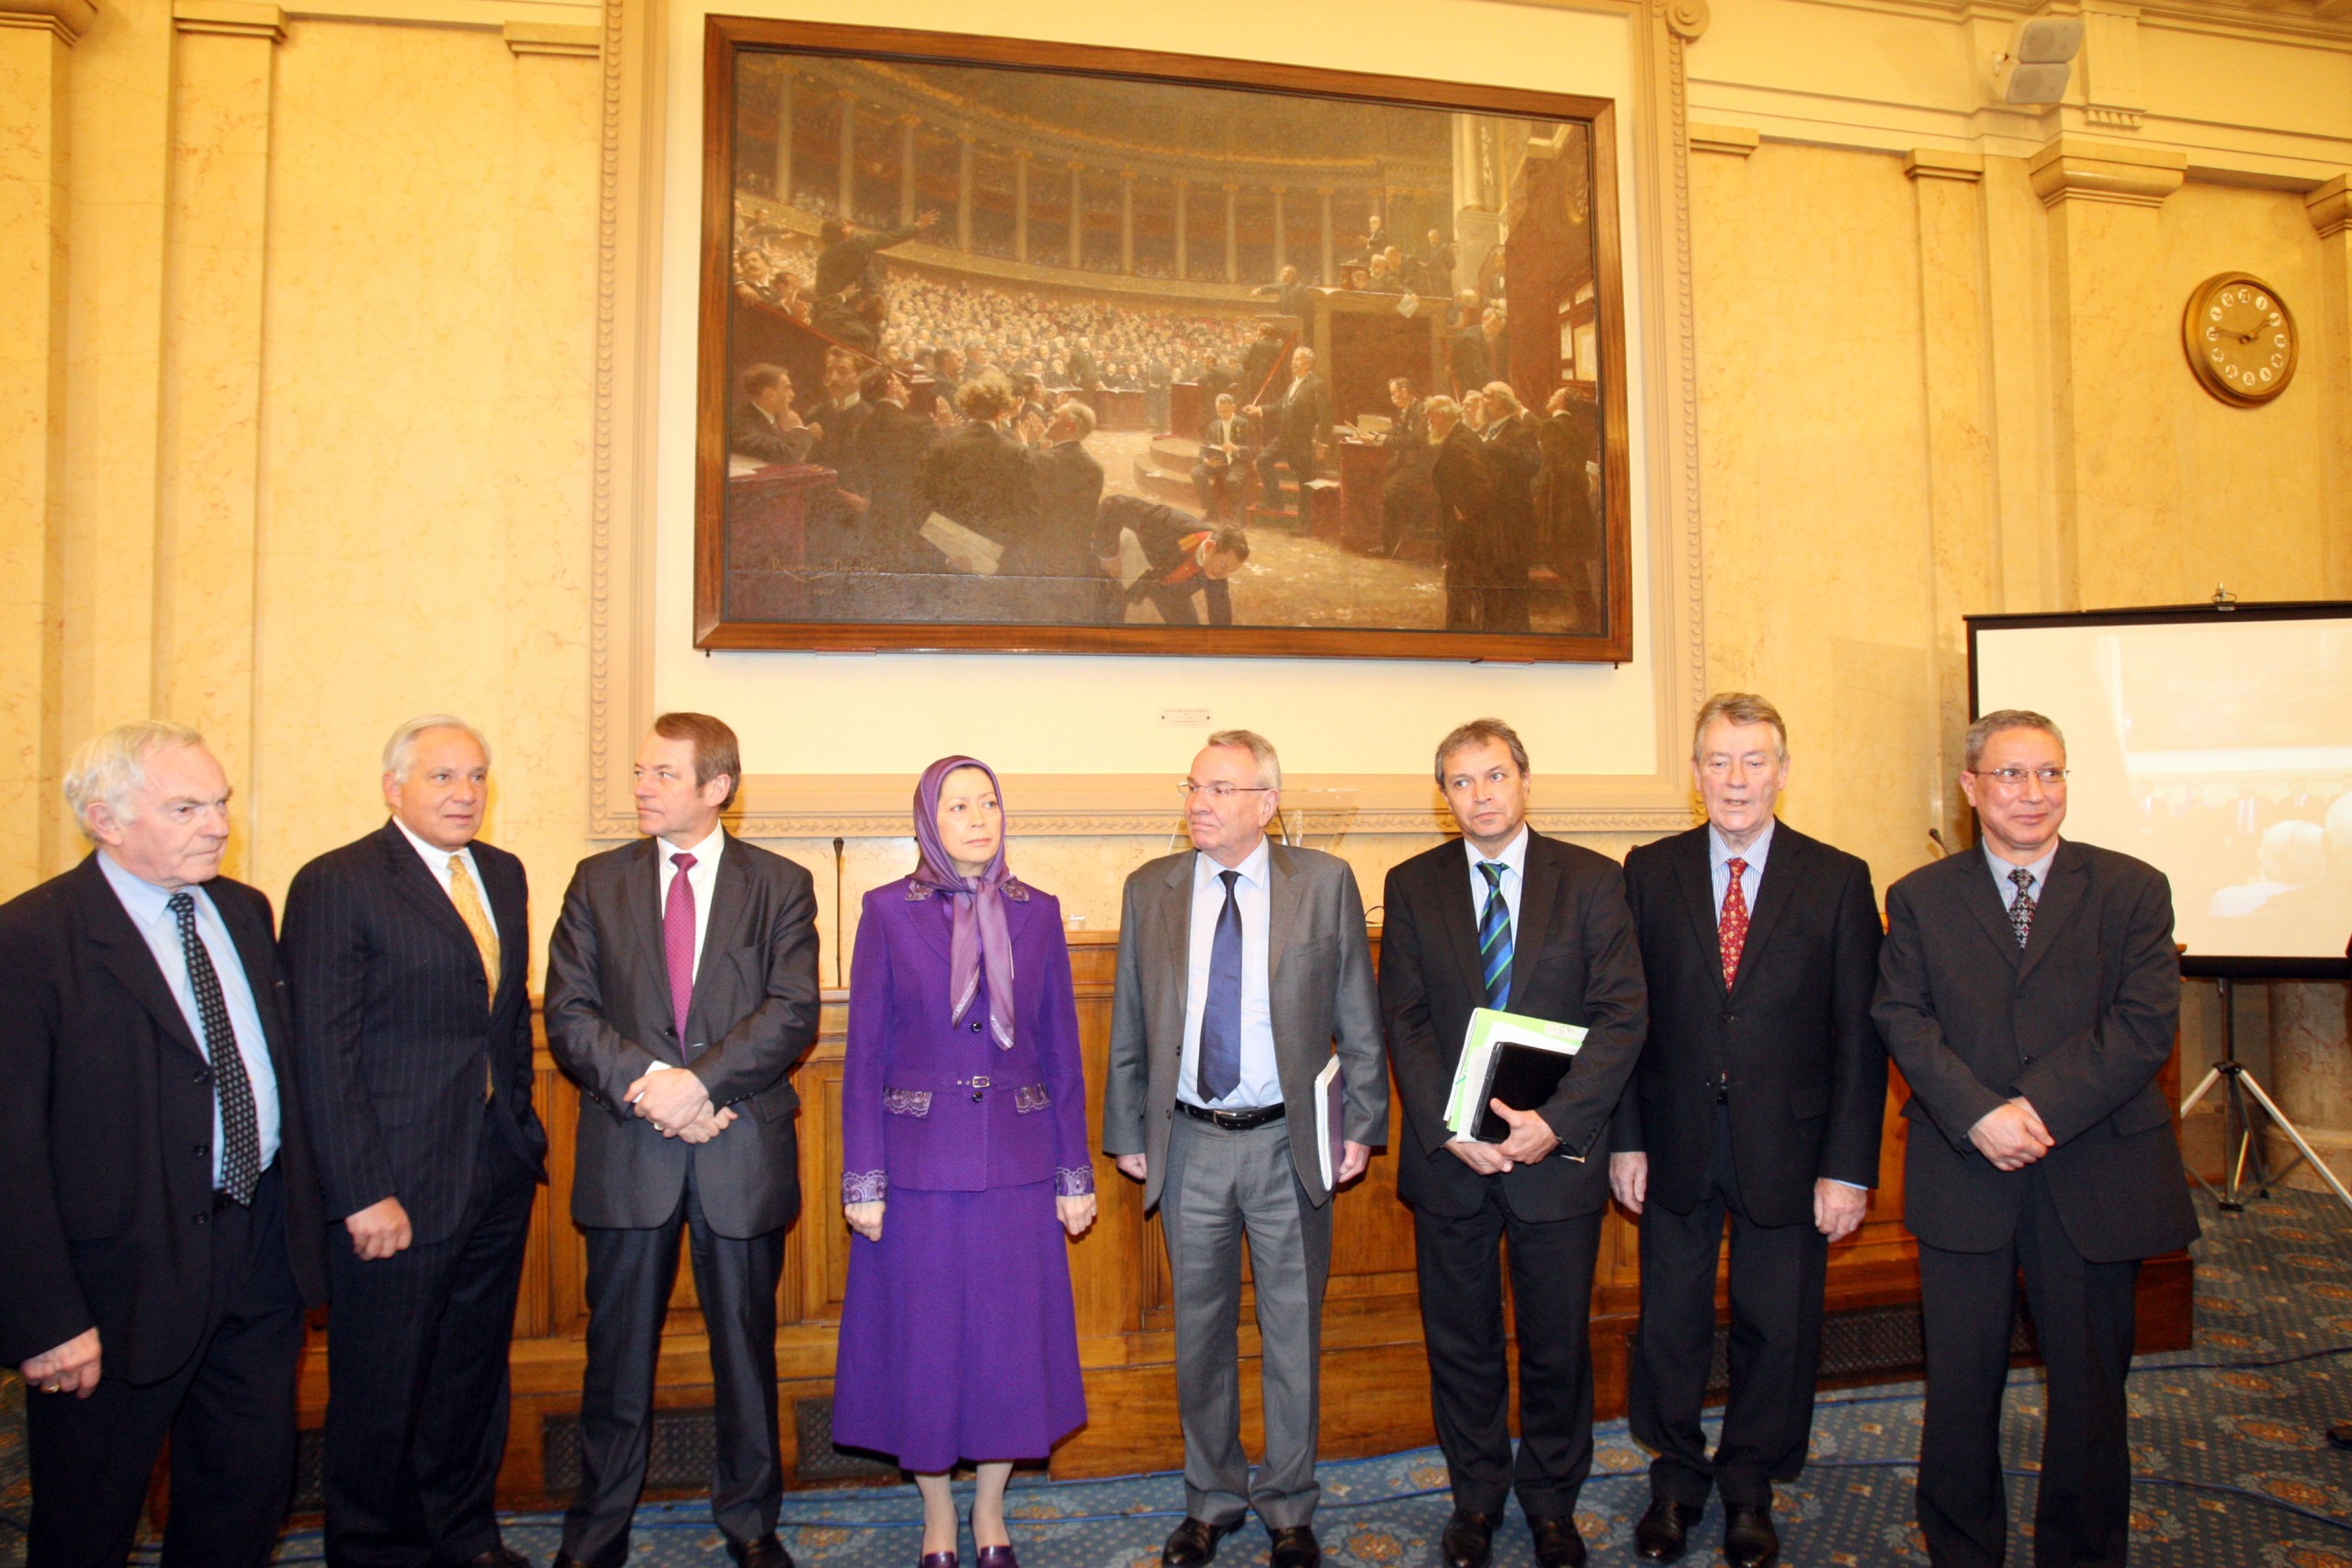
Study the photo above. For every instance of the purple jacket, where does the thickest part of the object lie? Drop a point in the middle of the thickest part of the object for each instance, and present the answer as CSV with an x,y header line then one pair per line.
x,y
935,1106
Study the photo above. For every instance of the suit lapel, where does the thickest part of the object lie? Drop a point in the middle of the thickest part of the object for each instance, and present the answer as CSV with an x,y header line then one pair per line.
x,y
257,951
2069,880
1284,895
936,928
1694,875
1984,901
1539,888
730,893
127,955
423,889
643,886
1456,903
509,909
1782,868
1175,936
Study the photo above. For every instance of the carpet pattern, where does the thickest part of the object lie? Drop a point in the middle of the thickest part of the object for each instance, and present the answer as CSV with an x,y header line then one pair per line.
x,y
2227,1443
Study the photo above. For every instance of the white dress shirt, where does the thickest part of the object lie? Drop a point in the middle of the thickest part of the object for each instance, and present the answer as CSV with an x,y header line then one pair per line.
x,y
1252,896
436,861
1514,861
703,879
149,907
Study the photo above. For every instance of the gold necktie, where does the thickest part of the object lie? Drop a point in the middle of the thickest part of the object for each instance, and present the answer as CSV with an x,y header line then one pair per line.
x,y
485,935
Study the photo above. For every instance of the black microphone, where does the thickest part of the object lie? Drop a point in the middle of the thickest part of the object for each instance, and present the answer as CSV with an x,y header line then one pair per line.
x,y
1942,848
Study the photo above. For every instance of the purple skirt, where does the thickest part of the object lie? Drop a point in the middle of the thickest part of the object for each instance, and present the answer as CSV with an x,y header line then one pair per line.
x,y
959,1341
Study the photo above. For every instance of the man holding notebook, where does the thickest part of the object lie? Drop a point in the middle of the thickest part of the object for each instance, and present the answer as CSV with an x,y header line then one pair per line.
x,y
1759,1101
1523,924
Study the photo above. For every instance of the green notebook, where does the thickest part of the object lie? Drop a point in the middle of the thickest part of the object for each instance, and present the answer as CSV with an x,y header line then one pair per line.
x,y
1491,1030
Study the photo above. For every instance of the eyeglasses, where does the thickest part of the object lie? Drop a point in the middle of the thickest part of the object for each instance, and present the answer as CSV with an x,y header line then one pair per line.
x,y
1220,790
2012,777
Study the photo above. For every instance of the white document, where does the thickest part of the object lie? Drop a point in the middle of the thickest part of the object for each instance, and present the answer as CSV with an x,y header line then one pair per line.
x,y
1409,307
1329,1100
1133,562
965,551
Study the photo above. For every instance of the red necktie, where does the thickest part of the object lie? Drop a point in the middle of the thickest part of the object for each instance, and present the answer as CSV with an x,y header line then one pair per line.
x,y
1731,930
678,942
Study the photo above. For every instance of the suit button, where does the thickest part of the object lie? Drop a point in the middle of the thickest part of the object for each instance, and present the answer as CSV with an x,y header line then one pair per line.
x,y
1731,1018
976,1097
200,1076
976,1026
199,1219
201,1151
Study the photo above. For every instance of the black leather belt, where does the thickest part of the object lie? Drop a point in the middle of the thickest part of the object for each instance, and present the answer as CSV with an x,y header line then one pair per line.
x,y
1233,1121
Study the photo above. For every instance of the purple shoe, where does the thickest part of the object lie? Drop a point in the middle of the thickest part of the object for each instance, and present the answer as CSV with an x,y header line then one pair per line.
x,y
997,1557
938,1559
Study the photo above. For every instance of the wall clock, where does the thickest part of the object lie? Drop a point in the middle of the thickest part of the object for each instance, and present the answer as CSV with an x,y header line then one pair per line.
x,y
2240,339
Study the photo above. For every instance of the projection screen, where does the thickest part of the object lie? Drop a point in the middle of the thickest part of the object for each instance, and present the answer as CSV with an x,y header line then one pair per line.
x,y
2214,744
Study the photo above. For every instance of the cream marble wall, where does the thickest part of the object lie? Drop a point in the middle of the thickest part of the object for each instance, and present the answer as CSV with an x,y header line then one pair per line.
x,y
300,442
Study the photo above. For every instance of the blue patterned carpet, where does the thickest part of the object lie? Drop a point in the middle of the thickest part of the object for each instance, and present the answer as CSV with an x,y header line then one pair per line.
x,y
2227,1442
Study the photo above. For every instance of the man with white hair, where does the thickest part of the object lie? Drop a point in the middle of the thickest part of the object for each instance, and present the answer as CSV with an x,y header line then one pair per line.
x,y
408,952
160,1225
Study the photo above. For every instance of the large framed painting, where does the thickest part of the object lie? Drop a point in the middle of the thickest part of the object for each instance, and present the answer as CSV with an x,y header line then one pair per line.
x,y
1029,347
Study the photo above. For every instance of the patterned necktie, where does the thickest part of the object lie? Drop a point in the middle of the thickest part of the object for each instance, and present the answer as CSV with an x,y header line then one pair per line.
x,y
240,1126
678,942
1730,926
1220,1066
477,919
2021,908
1494,937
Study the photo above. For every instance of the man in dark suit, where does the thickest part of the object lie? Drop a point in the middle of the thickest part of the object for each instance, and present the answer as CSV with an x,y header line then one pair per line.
x,y
1243,968
408,954
1463,481
1058,559
847,259
682,987
1510,919
1298,429
1221,472
764,425
1186,558
160,1232
1513,460
1759,1096
2030,991
1406,501
891,441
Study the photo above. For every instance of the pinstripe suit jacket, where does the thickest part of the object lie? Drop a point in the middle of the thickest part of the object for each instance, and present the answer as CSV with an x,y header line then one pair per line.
x,y
395,1029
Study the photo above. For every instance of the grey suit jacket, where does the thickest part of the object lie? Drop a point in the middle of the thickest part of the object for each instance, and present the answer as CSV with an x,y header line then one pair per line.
x,y
754,1011
1319,974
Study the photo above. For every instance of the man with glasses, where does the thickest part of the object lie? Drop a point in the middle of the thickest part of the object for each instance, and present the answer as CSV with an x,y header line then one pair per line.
x,y
1241,965
2029,990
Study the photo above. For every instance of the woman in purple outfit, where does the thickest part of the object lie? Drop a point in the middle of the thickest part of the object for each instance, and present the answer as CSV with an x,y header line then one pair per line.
x,y
963,1160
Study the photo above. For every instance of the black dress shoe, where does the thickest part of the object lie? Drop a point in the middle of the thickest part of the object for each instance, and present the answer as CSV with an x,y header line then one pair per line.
x,y
1750,1539
1664,1532
499,1557
1193,1543
1295,1547
1557,1545
1469,1540
766,1552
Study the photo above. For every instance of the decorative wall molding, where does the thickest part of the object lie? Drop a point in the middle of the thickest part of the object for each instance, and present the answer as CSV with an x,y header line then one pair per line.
x,y
553,37
1738,140
1930,163
2076,168
69,20
2331,207
230,18
621,619
485,15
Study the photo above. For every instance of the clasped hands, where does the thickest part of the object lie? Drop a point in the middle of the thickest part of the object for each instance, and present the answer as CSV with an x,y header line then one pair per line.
x,y
1531,1141
2011,1134
678,1105
1076,1214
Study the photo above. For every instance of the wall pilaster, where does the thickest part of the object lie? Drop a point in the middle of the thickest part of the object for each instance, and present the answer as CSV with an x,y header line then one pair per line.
x,y
2112,344
2328,351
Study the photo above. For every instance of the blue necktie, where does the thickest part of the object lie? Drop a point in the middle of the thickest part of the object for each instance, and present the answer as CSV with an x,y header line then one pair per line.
x,y
1220,1071
1494,937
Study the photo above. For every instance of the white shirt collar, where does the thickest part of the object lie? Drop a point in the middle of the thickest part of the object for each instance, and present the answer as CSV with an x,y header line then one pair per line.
x,y
146,902
435,858
1253,868
706,853
1514,854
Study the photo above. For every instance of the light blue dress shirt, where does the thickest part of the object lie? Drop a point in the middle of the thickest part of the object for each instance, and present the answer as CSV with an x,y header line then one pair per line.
x,y
1262,1081
1514,860
150,909
1719,855
2001,869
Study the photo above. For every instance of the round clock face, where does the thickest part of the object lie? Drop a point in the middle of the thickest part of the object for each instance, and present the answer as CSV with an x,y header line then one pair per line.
x,y
2240,338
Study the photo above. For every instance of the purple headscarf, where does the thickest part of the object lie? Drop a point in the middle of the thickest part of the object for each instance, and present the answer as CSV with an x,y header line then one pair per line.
x,y
977,903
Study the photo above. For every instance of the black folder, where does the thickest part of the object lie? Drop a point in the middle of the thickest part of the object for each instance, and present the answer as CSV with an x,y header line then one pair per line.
x,y
1521,1076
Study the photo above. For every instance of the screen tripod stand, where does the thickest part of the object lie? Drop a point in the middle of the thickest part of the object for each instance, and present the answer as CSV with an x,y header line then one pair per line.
x,y
2237,1122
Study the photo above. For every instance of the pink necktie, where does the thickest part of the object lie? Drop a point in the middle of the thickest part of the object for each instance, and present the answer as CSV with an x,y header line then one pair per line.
x,y
678,942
